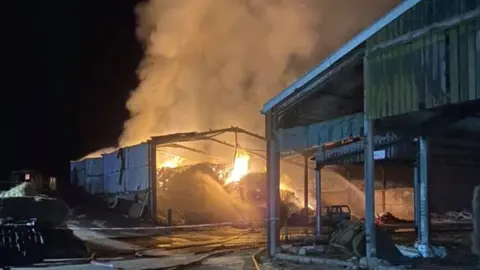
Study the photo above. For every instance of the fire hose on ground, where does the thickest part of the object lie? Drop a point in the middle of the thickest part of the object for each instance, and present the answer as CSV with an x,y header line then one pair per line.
x,y
255,258
213,243
218,247
22,243
153,253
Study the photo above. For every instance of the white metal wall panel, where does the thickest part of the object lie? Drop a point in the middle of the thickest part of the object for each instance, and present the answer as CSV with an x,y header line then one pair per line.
x,y
72,171
94,179
136,175
78,172
111,173
94,184
137,167
94,166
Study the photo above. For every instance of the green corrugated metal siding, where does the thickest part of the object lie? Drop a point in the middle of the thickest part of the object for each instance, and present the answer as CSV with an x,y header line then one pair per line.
x,y
439,67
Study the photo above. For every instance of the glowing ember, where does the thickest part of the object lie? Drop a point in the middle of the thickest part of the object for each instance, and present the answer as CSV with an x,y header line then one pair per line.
x,y
286,188
240,168
172,163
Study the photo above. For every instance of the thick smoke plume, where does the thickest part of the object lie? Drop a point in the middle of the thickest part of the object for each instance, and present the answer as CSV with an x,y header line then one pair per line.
x,y
213,63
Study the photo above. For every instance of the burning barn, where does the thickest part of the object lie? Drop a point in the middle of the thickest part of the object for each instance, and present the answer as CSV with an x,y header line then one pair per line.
x,y
179,172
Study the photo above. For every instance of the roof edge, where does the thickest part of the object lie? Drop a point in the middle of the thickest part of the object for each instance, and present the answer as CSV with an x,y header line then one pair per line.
x,y
353,43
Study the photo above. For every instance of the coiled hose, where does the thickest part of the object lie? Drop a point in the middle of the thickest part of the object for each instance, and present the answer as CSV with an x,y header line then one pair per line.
x,y
21,243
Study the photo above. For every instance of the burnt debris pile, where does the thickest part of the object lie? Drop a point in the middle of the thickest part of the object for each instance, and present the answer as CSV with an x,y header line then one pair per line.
x,y
196,195
388,218
201,193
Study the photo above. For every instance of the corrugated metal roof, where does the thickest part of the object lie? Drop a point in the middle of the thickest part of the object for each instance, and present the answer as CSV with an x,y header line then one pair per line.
x,y
339,54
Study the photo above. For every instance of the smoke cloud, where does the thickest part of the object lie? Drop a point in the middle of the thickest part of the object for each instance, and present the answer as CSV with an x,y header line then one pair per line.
x,y
213,63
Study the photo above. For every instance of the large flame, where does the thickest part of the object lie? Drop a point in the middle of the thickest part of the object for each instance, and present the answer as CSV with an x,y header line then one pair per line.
x,y
174,162
285,187
240,168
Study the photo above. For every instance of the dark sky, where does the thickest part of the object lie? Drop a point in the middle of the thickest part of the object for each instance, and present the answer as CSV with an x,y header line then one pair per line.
x,y
67,69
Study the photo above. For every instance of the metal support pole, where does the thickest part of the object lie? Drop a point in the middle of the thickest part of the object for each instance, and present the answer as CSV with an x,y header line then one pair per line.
x,y
236,148
424,241
273,187
153,181
305,186
349,178
384,191
318,193
416,190
369,170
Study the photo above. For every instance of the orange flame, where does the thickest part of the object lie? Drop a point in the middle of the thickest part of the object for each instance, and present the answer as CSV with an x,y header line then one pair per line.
x,y
240,168
172,163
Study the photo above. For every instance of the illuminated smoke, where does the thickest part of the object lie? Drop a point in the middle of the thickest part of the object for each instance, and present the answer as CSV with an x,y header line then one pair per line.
x,y
213,63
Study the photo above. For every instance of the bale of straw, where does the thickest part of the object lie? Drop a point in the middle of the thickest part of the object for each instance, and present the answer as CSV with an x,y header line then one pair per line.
x,y
196,197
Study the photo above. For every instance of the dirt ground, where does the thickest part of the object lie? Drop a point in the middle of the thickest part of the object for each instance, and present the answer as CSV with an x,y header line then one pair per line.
x,y
238,247
176,249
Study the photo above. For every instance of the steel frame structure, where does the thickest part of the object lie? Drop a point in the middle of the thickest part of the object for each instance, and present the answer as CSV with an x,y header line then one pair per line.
x,y
359,126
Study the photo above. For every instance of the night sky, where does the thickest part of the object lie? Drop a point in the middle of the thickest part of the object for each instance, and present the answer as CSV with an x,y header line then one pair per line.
x,y
67,69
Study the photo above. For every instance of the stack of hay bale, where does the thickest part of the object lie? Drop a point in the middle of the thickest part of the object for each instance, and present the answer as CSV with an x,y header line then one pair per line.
x,y
197,197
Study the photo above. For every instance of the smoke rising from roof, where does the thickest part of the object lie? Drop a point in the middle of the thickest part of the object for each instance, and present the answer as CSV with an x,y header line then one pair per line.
x,y
213,63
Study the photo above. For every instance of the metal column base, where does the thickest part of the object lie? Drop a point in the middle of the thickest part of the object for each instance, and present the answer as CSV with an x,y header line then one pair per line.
x,y
273,189
318,211
416,198
423,244
369,170
424,249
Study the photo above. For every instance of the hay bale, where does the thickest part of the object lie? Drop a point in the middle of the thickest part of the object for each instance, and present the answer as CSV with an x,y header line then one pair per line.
x,y
197,197
24,202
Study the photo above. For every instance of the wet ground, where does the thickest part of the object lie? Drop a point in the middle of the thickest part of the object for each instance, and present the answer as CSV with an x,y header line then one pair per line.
x,y
213,249
227,248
